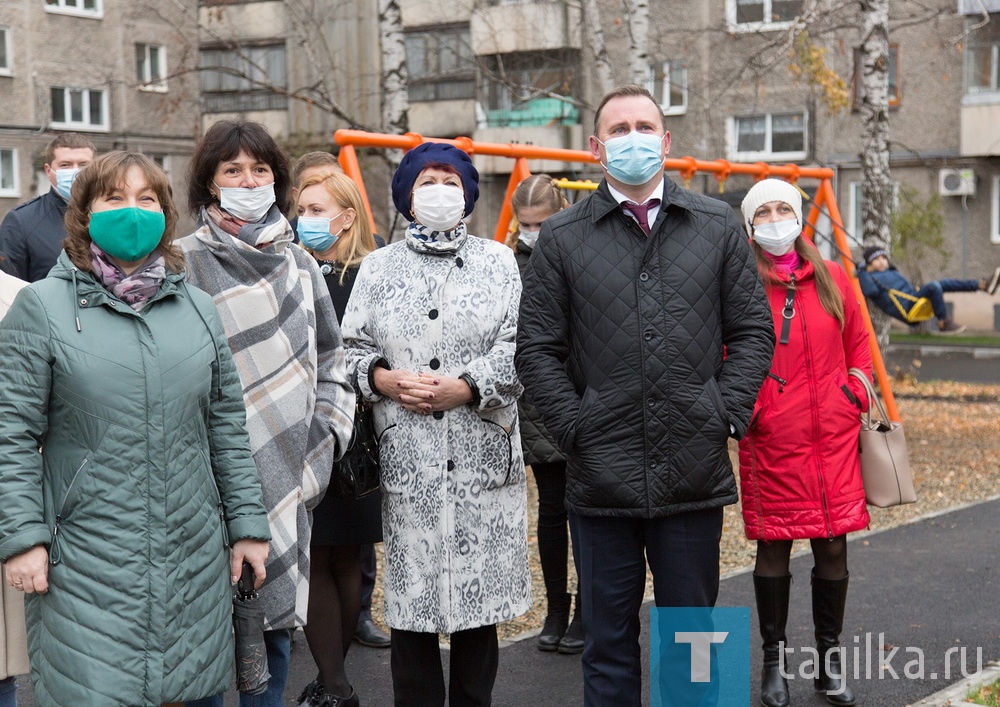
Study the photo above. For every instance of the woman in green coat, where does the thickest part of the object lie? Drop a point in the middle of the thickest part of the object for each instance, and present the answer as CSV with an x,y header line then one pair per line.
x,y
125,465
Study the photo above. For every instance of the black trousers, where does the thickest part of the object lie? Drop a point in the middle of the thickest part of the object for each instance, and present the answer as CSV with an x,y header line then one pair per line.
x,y
683,555
553,534
418,677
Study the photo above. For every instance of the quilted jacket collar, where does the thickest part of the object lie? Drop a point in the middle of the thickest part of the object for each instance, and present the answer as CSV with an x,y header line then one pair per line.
x,y
672,195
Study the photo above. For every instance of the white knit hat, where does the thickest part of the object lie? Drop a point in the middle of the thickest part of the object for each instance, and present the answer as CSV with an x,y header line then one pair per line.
x,y
766,191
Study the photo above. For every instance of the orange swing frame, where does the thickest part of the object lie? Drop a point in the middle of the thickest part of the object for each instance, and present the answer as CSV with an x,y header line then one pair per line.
x,y
687,167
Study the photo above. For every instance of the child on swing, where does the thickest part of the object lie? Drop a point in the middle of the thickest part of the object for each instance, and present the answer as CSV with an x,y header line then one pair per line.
x,y
879,277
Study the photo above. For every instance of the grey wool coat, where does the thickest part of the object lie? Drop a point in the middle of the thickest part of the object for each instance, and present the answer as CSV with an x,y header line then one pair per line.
x,y
143,479
453,484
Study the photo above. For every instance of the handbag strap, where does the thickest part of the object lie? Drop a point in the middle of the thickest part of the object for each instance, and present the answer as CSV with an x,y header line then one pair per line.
x,y
874,401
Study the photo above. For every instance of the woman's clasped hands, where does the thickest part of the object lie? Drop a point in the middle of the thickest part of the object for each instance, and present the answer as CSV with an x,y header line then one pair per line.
x,y
422,393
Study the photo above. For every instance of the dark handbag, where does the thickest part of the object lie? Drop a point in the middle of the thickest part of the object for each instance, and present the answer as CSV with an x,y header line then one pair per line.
x,y
885,468
356,475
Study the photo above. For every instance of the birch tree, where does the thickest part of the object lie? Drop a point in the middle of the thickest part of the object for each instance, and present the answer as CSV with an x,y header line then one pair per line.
x,y
593,30
638,40
876,187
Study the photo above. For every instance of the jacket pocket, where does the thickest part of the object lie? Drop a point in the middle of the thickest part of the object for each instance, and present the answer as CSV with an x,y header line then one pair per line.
x,y
72,492
583,418
394,465
218,497
497,455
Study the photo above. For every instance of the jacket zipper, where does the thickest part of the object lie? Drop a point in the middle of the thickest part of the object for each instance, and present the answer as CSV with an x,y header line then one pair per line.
x,y
221,507
55,556
815,413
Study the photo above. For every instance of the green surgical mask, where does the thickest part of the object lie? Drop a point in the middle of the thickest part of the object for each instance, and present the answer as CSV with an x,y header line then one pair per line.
x,y
129,234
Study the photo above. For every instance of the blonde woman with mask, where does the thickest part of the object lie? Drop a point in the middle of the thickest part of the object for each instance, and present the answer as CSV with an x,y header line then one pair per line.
x,y
333,226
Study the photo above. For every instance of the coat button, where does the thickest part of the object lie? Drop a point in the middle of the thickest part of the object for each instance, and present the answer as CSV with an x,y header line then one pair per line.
x,y
644,276
651,402
459,262
451,465
648,335
83,302
435,364
433,314
438,414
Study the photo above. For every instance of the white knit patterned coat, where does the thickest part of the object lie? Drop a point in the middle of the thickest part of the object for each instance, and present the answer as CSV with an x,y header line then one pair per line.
x,y
453,484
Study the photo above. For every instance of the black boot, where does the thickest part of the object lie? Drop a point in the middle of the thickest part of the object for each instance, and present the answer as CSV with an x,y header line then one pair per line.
x,y
572,640
829,598
772,609
556,621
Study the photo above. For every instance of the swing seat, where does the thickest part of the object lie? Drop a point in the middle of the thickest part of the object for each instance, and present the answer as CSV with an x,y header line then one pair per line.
x,y
920,308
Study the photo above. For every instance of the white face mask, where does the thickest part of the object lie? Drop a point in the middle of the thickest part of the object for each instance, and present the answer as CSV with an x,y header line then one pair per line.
x,y
529,238
247,204
438,206
777,237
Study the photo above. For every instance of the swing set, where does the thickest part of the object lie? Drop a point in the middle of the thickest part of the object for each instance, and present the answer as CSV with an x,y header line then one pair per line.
x,y
824,201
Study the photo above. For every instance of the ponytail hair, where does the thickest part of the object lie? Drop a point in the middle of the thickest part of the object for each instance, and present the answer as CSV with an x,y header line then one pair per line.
x,y
538,190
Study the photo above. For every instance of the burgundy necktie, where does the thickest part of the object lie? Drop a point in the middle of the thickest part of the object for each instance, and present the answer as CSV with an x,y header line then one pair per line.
x,y
641,212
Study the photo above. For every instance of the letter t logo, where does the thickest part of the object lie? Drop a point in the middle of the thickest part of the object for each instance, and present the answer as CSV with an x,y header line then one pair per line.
x,y
701,651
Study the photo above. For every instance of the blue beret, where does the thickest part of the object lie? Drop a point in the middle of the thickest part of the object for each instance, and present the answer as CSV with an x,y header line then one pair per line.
x,y
429,153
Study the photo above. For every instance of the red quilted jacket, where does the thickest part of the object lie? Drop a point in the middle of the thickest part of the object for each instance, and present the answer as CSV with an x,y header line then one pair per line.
x,y
800,474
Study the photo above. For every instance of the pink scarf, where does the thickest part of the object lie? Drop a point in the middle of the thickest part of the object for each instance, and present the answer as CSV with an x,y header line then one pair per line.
x,y
136,289
789,262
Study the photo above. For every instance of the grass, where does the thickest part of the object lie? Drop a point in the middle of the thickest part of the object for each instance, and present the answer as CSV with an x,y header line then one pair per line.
x,y
950,340
988,694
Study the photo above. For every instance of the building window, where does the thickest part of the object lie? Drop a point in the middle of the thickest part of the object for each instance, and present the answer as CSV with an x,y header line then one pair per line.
x,y
530,88
855,225
84,8
441,64
244,79
857,81
982,58
749,15
668,84
79,108
5,52
8,172
151,67
772,136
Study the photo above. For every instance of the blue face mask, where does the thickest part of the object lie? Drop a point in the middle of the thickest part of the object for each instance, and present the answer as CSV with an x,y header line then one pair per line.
x,y
64,181
314,232
634,158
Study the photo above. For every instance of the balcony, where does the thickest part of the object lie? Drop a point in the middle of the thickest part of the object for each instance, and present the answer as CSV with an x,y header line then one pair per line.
x,y
536,112
525,27
980,125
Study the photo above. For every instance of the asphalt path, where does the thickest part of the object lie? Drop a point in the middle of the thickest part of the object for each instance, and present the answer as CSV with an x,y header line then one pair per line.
x,y
960,364
927,589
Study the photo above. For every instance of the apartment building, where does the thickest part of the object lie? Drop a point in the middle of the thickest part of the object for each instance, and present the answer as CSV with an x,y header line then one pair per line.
x,y
115,70
509,71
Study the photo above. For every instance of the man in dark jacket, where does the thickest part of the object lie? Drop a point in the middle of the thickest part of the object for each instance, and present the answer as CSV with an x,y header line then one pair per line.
x,y
32,234
644,337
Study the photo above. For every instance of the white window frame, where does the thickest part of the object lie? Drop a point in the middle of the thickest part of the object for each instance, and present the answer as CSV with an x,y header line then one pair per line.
x,y
83,126
766,155
146,82
995,216
5,33
765,26
14,189
75,8
667,68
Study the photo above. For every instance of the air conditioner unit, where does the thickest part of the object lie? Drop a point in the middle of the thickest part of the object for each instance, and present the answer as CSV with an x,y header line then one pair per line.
x,y
956,182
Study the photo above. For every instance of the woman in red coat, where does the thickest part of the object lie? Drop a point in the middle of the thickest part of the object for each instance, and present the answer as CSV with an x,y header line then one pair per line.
x,y
800,472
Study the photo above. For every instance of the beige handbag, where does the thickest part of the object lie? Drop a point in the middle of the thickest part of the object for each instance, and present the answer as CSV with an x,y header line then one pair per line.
x,y
885,468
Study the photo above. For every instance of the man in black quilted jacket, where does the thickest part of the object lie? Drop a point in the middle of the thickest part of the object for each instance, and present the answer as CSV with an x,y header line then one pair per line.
x,y
644,336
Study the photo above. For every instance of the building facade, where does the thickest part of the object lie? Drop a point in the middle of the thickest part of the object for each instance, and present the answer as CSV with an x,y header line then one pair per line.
x,y
114,70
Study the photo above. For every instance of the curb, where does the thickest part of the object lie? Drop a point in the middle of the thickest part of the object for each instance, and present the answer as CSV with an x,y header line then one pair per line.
x,y
954,695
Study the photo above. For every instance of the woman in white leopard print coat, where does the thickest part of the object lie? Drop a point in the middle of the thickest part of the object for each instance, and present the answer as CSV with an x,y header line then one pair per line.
x,y
430,330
